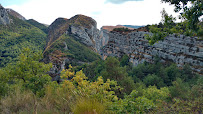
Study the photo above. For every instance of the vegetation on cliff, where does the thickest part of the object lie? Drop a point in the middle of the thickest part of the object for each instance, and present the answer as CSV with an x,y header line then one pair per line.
x,y
191,24
71,49
82,20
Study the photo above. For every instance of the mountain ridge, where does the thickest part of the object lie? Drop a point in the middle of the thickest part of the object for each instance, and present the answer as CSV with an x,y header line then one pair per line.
x,y
83,30
15,35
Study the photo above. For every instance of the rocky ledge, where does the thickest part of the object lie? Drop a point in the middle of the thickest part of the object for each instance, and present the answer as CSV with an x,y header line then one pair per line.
x,y
175,48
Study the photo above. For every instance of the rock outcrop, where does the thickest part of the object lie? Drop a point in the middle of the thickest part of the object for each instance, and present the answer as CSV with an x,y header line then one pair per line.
x,y
55,30
82,28
15,14
179,49
4,16
61,32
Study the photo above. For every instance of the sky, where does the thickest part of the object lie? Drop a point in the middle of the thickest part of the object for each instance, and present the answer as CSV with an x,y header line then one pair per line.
x,y
105,12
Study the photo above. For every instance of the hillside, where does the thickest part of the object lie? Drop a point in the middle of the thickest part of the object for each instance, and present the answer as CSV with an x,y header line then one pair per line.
x,y
16,35
38,25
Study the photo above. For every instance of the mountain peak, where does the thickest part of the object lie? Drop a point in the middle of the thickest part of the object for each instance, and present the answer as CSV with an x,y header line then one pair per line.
x,y
82,20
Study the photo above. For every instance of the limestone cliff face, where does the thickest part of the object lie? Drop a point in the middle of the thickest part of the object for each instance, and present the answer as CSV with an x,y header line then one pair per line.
x,y
85,30
105,37
82,28
179,49
62,32
4,16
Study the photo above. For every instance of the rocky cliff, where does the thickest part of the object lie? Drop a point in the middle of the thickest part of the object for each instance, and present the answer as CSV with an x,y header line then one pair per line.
x,y
179,49
4,17
82,28
72,41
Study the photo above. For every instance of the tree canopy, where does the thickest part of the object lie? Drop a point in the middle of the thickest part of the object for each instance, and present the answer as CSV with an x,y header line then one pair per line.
x,y
190,14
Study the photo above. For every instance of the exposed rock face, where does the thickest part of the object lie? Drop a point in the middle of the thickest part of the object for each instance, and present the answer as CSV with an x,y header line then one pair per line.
x,y
4,17
85,30
179,49
15,14
81,27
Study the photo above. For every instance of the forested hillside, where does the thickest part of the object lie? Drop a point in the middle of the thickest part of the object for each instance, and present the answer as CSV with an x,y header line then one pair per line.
x,y
38,25
16,36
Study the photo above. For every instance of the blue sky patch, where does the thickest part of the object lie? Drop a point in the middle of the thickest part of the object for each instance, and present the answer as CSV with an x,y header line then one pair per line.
x,y
12,2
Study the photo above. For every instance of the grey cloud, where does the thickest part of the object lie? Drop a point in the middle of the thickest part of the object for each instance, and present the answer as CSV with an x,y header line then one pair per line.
x,y
120,1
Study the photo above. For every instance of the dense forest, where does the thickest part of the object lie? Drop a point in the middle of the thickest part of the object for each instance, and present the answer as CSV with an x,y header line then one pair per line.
x,y
90,85
15,37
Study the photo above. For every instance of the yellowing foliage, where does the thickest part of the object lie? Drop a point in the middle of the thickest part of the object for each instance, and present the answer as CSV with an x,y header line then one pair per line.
x,y
78,84
76,94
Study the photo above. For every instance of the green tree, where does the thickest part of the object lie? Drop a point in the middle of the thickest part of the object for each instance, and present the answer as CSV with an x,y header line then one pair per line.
x,y
124,60
173,72
179,89
113,71
153,80
28,71
133,104
191,13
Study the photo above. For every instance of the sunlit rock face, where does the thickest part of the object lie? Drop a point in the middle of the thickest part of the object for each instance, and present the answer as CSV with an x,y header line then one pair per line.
x,y
4,17
179,49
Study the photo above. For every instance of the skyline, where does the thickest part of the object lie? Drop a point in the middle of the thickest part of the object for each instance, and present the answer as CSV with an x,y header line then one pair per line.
x,y
105,12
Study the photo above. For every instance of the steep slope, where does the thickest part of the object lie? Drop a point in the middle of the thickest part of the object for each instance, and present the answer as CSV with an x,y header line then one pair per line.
x,y
82,28
55,30
38,25
16,35
71,41
15,14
